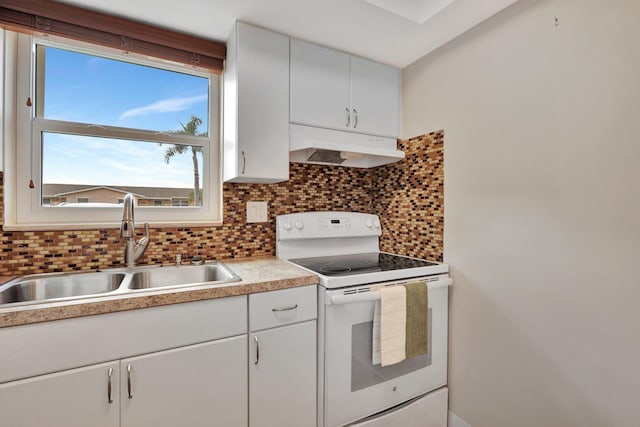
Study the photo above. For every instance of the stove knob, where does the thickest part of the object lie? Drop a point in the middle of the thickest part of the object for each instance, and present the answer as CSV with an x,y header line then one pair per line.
x,y
299,225
368,223
287,226
376,224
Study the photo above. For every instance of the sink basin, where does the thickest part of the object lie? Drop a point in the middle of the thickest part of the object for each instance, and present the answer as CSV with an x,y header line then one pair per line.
x,y
162,277
56,286
51,287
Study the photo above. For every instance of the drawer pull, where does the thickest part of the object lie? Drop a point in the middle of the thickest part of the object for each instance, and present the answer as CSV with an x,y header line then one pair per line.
x,y
289,308
129,390
110,374
257,350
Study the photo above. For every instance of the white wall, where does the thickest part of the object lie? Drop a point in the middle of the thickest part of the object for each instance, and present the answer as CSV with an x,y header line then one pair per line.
x,y
542,211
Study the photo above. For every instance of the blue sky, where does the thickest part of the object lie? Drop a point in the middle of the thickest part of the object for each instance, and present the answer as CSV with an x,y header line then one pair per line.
x,y
88,89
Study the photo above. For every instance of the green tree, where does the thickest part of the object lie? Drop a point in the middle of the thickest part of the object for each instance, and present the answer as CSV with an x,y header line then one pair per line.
x,y
190,128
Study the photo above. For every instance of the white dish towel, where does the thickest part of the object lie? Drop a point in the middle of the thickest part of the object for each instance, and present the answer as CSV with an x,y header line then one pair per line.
x,y
389,326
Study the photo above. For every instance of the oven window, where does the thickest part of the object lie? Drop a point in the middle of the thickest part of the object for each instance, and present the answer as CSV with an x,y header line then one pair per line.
x,y
364,373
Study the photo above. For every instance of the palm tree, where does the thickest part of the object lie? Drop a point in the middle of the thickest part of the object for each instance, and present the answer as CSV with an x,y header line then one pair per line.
x,y
191,128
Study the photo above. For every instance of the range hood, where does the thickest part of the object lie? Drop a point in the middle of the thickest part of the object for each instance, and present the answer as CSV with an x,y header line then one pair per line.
x,y
309,144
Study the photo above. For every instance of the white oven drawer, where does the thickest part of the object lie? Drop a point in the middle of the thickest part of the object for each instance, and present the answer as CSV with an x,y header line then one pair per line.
x,y
278,308
424,411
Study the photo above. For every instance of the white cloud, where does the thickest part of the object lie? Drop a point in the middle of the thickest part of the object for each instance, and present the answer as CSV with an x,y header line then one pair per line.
x,y
164,106
105,161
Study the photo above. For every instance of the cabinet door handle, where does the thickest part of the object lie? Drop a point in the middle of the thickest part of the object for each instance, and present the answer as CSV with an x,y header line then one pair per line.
x,y
289,308
255,338
129,382
244,163
348,117
355,116
110,374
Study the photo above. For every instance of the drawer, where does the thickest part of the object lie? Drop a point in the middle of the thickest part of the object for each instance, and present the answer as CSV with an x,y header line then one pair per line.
x,y
277,308
88,340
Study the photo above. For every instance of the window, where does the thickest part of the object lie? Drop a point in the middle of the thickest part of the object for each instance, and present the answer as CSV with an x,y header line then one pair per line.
x,y
103,123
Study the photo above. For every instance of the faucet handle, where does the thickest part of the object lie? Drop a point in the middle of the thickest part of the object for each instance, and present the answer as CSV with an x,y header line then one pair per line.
x,y
145,240
142,244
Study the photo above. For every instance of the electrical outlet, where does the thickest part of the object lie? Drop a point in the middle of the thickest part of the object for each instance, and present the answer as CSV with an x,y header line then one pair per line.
x,y
257,212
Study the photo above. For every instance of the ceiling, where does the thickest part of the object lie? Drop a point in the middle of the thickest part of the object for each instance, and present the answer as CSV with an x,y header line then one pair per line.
x,y
395,32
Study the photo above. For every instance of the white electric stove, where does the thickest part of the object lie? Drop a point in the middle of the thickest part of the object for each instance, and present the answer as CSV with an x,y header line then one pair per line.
x,y
342,248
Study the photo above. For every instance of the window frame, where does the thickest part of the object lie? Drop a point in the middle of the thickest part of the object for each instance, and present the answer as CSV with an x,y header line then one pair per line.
x,y
23,208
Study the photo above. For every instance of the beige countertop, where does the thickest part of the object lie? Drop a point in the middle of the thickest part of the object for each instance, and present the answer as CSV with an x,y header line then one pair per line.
x,y
258,274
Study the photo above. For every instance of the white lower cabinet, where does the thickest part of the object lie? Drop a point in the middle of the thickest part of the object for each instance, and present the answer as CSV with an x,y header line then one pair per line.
x,y
182,365
73,398
282,377
193,386
204,384
282,358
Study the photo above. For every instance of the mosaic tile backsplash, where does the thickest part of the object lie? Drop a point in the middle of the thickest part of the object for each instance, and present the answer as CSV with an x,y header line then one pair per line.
x,y
407,195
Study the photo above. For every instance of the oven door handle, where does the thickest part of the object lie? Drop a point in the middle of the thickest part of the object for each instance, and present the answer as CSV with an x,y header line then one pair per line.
x,y
373,295
348,299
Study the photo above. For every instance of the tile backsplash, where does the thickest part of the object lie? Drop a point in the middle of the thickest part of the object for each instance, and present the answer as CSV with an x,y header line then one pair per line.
x,y
409,198
407,195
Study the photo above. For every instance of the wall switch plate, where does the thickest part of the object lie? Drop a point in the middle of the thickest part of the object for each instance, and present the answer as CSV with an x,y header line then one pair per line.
x,y
257,212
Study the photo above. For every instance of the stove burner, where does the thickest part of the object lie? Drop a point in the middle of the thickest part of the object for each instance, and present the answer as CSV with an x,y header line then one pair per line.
x,y
335,269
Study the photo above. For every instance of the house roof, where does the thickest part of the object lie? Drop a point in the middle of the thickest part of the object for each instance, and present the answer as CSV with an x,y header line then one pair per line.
x,y
60,190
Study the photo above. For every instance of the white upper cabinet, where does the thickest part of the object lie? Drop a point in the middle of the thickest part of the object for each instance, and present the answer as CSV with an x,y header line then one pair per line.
x,y
319,86
375,97
334,90
256,107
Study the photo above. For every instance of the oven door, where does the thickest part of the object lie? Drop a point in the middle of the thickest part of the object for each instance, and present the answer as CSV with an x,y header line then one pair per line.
x,y
354,388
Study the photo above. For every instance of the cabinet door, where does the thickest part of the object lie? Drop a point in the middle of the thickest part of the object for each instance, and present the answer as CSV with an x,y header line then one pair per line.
x,y
319,86
74,398
256,103
195,386
282,377
375,97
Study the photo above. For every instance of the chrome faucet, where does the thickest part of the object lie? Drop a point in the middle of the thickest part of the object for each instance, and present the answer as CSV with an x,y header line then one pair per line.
x,y
132,250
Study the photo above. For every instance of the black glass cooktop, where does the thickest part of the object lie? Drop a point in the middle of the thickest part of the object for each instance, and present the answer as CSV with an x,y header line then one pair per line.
x,y
345,265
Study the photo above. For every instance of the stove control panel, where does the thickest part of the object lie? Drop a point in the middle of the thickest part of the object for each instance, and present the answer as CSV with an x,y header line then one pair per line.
x,y
335,223
314,225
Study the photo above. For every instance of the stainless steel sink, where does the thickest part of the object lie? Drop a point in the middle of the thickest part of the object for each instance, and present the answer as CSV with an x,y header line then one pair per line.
x,y
214,273
59,286
54,287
